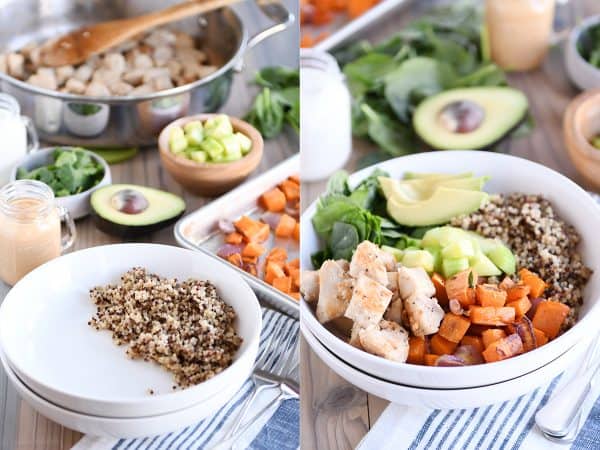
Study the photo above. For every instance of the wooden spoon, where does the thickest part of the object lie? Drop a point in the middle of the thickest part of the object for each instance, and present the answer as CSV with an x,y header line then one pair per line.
x,y
77,46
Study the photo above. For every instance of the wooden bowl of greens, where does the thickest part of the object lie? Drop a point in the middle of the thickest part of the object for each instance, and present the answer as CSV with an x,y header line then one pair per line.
x,y
73,173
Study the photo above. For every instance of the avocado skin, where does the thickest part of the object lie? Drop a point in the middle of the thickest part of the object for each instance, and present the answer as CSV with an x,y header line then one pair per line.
x,y
129,231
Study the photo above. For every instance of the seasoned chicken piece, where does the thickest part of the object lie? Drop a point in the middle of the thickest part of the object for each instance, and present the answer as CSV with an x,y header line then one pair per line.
x,y
175,68
134,77
162,55
394,311
155,72
369,301
106,77
335,290
44,78
309,285
16,65
142,61
75,86
63,73
388,340
392,284
143,89
160,36
3,63
345,265
389,260
83,73
114,62
368,260
184,40
424,314
355,336
121,88
161,83
35,56
97,89
414,282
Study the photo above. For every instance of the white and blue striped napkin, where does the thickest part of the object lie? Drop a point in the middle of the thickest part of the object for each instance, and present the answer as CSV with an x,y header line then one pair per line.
x,y
506,426
280,430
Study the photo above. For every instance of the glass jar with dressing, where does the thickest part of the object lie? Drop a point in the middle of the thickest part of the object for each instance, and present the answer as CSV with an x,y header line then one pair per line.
x,y
519,32
30,228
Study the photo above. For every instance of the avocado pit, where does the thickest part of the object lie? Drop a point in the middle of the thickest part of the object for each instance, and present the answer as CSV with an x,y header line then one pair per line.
x,y
461,116
129,201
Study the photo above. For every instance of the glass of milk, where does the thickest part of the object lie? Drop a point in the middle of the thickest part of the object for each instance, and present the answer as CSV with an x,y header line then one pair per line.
x,y
325,122
18,136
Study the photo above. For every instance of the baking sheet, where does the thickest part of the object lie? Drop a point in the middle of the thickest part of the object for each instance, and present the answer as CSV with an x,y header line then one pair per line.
x,y
199,230
343,31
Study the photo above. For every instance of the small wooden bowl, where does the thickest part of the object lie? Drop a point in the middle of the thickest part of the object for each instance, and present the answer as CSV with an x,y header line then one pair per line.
x,y
581,123
210,179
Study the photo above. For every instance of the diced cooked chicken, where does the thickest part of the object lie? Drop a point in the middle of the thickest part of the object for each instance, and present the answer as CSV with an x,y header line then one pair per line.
x,y
392,284
387,339
142,61
394,311
83,73
134,77
115,62
345,265
162,55
143,89
369,301
64,73
97,89
3,64
389,260
175,68
368,260
160,37
355,336
16,65
45,78
121,88
424,314
414,282
75,86
161,83
184,40
309,285
335,290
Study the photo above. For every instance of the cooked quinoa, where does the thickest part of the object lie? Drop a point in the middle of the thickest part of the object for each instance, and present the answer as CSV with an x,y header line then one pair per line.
x,y
541,242
183,326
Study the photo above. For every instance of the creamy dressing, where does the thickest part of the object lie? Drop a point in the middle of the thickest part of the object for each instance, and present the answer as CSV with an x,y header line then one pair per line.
x,y
30,235
519,32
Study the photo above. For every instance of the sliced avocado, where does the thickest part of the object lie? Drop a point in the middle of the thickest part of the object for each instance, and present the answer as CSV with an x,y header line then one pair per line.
x,y
442,206
410,191
128,210
469,118
116,155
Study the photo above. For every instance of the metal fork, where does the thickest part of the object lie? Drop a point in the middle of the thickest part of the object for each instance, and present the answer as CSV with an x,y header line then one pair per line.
x,y
270,373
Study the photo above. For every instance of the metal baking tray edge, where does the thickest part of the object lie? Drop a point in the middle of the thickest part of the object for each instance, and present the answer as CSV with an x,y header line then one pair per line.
x,y
262,183
351,29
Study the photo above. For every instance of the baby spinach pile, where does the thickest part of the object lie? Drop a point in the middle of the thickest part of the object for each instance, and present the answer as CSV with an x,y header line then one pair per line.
x,y
588,45
73,171
278,103
440,51
345,217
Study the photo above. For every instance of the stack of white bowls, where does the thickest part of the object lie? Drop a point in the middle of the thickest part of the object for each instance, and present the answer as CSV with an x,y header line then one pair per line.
x,y
469,386
78,377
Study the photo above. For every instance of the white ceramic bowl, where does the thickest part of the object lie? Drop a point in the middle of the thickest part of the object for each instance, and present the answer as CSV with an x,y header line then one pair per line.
x,y
46,339
581,73
121,428
508,174
447,398
79,204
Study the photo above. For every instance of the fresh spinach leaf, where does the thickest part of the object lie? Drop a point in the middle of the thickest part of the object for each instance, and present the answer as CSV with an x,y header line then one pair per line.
x,y
343,240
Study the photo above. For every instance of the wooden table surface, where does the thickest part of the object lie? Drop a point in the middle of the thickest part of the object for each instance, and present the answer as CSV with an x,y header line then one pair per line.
x,y
21,428
335,415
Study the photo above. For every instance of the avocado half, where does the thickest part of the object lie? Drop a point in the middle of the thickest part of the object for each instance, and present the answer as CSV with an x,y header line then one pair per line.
x,y
469,118
128,210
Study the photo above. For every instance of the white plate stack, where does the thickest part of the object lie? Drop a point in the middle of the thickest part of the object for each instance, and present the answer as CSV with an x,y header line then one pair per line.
x,y
78,377
468,386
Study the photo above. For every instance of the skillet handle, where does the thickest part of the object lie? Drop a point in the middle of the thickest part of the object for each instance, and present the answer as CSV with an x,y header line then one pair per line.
x,y
277,12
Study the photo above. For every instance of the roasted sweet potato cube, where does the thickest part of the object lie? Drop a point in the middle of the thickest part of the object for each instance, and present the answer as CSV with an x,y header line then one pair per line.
x,y
504,348
454,327
488,337
416,350
537,286
234,238
284,284
491,315
286,226
430,359
474,341
272,271
549,317
291,190
517,292
521,306
441,346
490,295
273,200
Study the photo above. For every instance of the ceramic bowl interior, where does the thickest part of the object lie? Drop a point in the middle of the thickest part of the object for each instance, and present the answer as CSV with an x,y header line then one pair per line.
x,y
508,174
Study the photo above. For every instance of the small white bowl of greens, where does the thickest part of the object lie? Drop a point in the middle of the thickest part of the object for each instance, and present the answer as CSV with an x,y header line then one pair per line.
x,y
72,173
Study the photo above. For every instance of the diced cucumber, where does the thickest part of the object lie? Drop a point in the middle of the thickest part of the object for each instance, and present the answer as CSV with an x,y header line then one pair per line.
x,y
228,157
485,244
232,146
194,132
459,249
452,266
213,147
198,156
484,266
418,258
245,142
177,140
443,236
436,252
218,127
502,257
395,252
